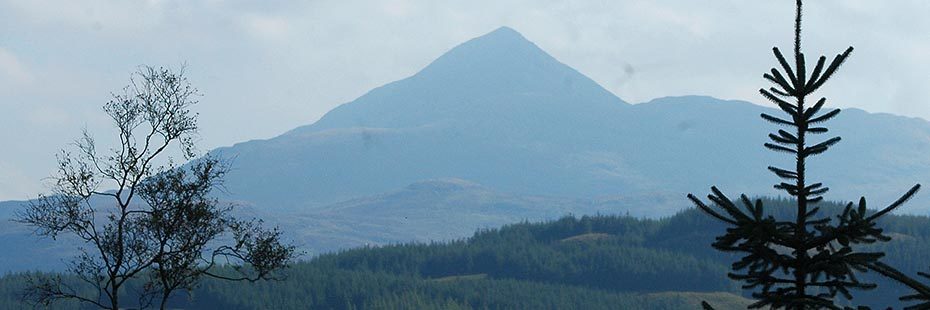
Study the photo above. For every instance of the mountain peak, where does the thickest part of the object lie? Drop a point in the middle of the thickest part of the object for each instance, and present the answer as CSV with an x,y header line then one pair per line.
x,y
506,30
498,51
504,35
498,74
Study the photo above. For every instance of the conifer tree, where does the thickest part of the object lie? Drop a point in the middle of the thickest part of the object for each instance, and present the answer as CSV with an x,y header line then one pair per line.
x,y
803,263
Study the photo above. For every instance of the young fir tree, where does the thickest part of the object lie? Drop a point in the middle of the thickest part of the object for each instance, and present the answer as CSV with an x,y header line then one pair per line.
x,y
803,263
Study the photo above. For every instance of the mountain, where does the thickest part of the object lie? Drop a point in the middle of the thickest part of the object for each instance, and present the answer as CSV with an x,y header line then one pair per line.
x,y
498,111
8,208
25,251
431,210
497,131
489,111
439,210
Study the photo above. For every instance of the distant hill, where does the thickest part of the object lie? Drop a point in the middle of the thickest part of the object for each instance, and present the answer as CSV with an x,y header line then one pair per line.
x,y
497,110
441,210
593,262
432,210
9,208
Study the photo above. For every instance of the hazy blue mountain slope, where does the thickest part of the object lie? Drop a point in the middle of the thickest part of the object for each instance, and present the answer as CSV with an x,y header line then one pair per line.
x,y
445,209
433,210
499,111
499,80
8,208
689,143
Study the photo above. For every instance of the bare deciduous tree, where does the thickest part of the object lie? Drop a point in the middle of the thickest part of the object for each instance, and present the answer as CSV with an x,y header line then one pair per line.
x,y
159,226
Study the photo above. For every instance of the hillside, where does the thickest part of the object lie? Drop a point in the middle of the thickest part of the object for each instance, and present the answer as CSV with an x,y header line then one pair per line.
x,y
433,210
594,262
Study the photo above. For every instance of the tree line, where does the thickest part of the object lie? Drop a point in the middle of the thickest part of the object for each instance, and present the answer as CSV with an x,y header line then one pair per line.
x,y
590,261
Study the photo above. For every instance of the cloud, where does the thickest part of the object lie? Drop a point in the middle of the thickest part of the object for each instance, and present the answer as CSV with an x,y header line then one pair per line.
x,y
398,8
12,70
266,27
672,15
123,17
48,116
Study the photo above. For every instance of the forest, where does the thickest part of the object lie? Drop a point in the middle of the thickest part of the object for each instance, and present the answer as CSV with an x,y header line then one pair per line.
x,y
590,262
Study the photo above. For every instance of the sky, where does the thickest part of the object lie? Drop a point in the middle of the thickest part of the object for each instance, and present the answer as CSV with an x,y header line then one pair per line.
x,y
265,67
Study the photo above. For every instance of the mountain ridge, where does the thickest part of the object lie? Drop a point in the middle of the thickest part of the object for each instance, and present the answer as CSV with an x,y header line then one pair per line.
x,y
499,63
497,110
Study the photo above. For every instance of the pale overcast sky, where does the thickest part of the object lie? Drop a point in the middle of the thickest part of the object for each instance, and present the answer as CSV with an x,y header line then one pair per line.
x,y
265,67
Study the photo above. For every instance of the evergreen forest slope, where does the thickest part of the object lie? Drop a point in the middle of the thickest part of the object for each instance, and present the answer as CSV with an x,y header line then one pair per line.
x,y
591,262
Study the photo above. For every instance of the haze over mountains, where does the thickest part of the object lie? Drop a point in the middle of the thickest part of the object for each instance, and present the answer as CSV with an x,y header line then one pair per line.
x,y
499,111
496,131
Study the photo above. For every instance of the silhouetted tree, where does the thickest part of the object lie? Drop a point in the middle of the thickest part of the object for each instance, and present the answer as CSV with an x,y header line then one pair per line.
x,y
159,226
804,263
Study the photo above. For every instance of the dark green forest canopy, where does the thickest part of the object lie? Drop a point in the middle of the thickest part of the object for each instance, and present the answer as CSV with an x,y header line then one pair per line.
x,y
591,262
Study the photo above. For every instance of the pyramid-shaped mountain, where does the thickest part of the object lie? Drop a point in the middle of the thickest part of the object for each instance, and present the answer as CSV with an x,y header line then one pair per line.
x,y
499,111
498,77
